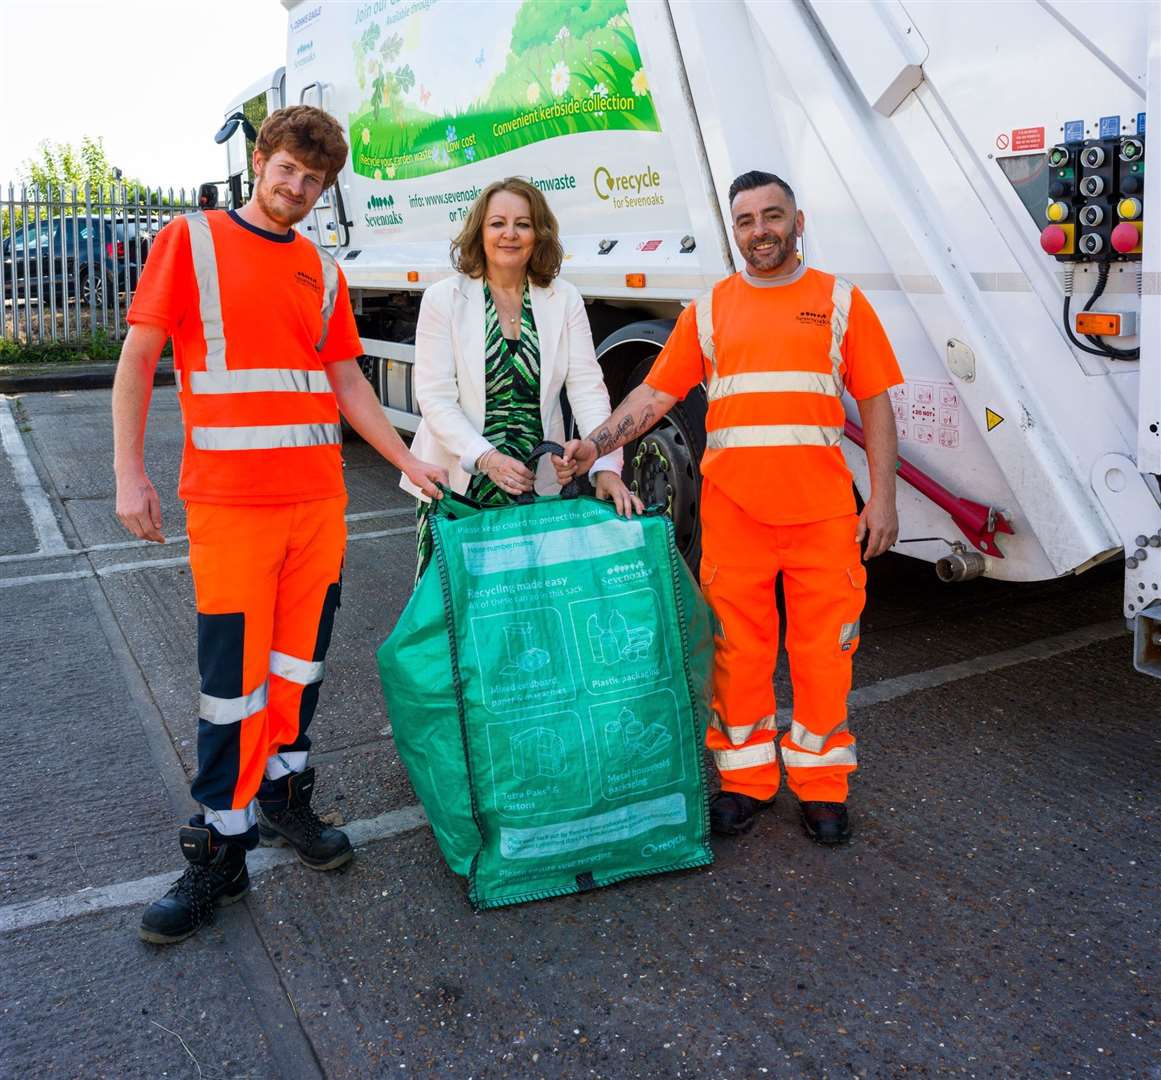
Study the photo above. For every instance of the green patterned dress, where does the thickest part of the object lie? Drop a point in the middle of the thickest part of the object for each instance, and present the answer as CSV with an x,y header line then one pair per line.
x,y
512,421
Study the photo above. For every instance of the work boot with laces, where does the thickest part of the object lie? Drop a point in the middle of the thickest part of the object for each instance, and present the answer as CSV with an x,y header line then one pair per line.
x,y
285,817
216,877
732,813
826,822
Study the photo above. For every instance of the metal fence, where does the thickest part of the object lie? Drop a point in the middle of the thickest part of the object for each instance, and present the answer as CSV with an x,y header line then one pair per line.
x,y
72,257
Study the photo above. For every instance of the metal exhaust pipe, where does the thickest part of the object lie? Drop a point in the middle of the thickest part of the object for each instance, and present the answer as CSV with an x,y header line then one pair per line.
x,y
960,566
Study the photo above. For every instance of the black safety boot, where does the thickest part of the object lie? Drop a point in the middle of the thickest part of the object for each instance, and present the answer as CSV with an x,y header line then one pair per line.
x,y
285,817
732,813
826,822
216,877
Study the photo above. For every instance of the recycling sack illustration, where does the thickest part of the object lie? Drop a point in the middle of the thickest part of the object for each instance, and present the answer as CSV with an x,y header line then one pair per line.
x,y
548,686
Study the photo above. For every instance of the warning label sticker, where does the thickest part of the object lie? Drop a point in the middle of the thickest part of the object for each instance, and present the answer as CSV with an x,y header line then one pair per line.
x,y
1028,138
927,413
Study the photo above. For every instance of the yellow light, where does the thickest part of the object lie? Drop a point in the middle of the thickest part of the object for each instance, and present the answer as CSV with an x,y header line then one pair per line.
x,y
1129,209
1057,211
1098,323
635,281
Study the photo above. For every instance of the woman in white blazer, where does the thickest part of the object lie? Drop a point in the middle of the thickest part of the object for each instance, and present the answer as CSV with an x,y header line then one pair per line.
x,y
494,346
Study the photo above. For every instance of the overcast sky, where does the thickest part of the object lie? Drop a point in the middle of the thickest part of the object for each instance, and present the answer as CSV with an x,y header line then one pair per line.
x,y
151,76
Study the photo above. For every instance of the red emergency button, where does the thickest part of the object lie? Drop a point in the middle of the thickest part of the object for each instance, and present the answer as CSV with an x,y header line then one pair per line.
x,y
1125,237
1053,239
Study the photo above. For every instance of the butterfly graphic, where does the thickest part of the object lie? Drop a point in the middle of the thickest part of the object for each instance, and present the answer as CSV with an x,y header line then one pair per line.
x,y
424,94
480,59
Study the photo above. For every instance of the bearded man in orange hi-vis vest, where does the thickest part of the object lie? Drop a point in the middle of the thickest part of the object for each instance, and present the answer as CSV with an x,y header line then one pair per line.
x,y
776,345
265,354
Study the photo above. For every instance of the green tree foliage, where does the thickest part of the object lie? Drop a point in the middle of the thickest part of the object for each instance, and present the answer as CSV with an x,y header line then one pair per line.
x,y
57,167
60,165
538,24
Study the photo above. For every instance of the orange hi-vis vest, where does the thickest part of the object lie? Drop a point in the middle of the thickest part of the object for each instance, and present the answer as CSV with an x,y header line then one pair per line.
x,y
216,403
735,418
775,360
255,317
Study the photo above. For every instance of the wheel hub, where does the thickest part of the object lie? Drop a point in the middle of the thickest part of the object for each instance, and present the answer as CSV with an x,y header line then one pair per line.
x,y
661,474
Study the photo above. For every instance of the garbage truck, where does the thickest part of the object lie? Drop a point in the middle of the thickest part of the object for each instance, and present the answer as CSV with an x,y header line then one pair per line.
x,y
982,171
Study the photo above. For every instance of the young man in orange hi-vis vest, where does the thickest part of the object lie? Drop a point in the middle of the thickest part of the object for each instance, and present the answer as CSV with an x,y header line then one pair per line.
x,y
265,350
775,346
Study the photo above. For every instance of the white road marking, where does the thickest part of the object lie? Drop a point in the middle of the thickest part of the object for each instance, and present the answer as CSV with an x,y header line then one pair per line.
x,y
131,893
44,523
1044,649
150,564
128,545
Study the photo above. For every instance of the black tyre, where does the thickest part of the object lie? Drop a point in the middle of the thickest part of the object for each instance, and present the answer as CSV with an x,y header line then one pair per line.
x,y
369,366
95,288
662,466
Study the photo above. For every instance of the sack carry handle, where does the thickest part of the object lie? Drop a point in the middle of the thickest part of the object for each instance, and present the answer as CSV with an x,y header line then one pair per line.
x,y
569,491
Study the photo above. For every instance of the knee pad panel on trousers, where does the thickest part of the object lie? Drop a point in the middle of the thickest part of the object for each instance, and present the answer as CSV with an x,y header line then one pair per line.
x,y
219,761
331,604
220,641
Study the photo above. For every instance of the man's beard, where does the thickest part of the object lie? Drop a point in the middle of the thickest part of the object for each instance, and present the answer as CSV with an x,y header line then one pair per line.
x,y
773,257
283,213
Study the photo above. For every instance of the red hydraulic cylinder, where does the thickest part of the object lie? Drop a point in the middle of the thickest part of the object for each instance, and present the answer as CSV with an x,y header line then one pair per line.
x,y
977,522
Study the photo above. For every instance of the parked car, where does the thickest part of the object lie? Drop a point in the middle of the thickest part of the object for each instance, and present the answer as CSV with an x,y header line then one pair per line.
x,y
85,256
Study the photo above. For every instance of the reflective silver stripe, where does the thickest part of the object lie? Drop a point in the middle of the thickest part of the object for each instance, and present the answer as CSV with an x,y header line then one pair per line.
x,y
801,759
773,435
205,264
739,733
266,437
773,382
747,756
848,632
703,309
839,317
279,765
177,378
291,668
223,710
259,381
807,739
231,822
330,272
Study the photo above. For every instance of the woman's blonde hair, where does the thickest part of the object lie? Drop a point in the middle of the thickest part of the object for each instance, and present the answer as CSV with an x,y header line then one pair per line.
x,y
467,249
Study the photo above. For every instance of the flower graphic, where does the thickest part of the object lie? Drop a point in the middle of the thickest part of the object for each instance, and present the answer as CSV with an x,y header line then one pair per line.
x,y
470,153
366,136
451,133
378,174
559,79
533,93
639,83
563,33
390,172
439,154
600,90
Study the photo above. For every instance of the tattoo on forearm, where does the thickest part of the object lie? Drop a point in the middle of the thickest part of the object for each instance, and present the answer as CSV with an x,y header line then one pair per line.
x,y
606,439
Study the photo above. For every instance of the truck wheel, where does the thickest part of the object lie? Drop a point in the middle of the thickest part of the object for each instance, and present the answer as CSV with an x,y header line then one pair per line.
x,y
662,465
369,366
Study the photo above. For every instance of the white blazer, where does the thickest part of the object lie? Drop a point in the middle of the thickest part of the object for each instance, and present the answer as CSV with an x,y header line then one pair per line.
x,y
449,377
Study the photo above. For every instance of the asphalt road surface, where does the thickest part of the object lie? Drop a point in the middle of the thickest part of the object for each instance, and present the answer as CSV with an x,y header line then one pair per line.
x,y
996,915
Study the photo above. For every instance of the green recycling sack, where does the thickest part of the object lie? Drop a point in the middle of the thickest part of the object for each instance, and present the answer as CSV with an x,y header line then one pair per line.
x,y
548,686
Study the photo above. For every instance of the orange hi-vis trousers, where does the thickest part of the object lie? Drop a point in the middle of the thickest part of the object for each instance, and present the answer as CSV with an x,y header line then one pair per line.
x,y
823,583
267,580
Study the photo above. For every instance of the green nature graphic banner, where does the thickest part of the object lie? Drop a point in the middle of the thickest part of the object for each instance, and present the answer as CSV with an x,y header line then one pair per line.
x,y
571,66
